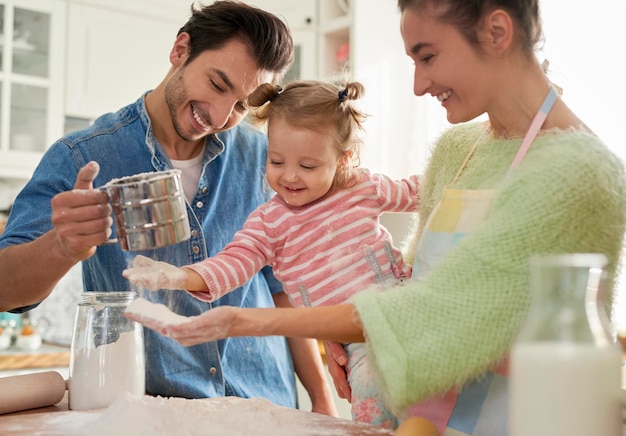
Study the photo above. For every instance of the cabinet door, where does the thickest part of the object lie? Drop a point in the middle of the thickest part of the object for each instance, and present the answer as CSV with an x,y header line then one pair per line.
x,y
335,22
305,62
31,77
300,14
301,17
113,57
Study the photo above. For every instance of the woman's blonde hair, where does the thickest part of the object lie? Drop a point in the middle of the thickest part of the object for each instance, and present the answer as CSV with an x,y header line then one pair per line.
x,y
319,106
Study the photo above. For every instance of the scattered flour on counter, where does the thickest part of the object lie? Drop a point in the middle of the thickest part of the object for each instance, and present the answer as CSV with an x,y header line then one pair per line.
x,y
152,311
232,416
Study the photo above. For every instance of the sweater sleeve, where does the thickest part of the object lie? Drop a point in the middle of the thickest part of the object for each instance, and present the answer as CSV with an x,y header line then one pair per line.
x,y
397,195
428,336
238,262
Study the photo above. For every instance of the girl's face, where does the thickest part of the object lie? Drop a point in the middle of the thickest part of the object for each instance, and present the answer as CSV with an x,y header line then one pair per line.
x,y
447,66
301,163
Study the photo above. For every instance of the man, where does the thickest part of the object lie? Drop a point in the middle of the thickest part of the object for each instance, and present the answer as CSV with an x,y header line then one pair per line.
x,y
193,121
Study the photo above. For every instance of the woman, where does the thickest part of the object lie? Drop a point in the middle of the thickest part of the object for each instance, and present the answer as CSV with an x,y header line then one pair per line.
x,y
531,179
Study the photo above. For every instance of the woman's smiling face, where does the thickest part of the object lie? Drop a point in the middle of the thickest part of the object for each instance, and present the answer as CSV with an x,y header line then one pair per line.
x,y
447,65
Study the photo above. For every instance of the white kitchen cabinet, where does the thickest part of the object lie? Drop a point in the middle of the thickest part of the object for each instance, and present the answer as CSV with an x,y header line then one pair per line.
x,y
304,65
298,15
321,32
334,33
113,55
103,54
117,49
31,82
301,17
159,9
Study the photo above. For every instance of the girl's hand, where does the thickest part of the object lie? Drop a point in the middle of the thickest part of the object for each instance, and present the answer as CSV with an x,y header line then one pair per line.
x,y
337,359
155,275
214,324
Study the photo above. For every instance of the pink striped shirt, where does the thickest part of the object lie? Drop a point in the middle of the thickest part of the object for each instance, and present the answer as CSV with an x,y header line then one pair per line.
x,y
322,252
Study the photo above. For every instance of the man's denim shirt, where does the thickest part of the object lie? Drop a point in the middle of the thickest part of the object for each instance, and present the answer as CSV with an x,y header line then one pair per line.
x,y
230,187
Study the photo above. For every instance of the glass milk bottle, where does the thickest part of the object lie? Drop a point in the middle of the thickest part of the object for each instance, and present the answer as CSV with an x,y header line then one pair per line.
x,y
107,353
565,367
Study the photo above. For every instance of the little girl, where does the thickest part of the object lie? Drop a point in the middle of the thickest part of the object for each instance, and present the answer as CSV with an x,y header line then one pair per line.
x,y
321,231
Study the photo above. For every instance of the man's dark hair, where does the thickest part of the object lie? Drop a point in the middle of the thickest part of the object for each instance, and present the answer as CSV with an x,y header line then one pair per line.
x,y
267,36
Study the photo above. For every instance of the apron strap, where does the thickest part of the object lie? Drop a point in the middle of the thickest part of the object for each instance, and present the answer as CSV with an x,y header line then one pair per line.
x,y
535,126
531,134
468,157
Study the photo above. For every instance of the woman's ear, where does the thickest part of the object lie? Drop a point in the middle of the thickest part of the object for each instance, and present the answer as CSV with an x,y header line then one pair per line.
x,y
496,33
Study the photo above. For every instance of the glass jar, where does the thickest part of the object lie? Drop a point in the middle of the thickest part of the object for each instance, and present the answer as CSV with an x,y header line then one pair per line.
x,y
107,353
565,367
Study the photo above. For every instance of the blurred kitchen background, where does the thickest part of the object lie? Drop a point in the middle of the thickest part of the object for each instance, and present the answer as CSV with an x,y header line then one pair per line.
x,y
64,62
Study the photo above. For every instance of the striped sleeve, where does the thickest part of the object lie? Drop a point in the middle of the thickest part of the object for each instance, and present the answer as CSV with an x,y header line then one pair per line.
x,y
397,195
238,262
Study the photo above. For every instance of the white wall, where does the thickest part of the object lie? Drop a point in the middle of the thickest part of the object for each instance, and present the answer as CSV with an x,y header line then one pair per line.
x,y
401,126
584,45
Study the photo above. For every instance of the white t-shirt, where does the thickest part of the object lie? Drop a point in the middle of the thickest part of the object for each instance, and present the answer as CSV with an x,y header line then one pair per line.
x,y
191,170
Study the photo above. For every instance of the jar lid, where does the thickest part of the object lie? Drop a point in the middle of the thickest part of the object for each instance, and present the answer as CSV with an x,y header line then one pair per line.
x,y
108,297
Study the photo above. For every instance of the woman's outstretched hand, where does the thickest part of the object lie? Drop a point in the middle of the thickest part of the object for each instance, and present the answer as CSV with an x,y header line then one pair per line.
x,y
155,275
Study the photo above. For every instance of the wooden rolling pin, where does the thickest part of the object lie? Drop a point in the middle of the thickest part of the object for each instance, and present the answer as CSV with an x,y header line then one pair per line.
x,y
23,392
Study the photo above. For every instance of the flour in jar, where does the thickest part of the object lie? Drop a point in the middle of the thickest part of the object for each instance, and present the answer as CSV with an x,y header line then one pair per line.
x,y
100,374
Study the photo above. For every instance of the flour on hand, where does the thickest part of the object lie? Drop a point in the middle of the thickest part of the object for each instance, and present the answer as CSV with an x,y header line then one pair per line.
x,y
153,315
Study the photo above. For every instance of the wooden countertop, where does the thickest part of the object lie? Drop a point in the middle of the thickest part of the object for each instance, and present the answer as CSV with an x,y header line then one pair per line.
x,y
59,420
48,355
53,420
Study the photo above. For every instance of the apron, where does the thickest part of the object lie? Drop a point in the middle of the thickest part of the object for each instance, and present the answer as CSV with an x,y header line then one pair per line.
x,y
480,408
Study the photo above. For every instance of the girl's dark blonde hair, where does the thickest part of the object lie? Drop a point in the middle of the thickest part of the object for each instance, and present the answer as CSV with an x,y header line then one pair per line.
x,y
319,106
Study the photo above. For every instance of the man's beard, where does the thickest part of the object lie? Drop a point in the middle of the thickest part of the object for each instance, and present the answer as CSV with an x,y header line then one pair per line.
x,y
175,96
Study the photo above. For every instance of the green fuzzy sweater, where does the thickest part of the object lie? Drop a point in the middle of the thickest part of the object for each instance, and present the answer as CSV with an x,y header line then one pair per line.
x,y
567,196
